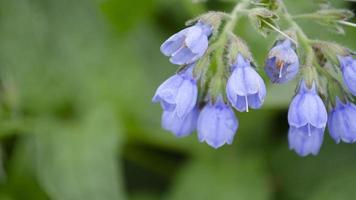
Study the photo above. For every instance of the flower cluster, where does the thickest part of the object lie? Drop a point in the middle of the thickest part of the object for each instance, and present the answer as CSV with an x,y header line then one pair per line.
x,y
203,94
308,117
216,122
342,117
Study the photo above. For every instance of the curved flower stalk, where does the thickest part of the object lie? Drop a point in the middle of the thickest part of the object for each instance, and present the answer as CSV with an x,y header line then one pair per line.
x,y
282,64
307,119
245,88
342,122
217,124
188,45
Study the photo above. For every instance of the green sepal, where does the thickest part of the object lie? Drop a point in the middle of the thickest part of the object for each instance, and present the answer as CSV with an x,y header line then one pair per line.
x,y
330,18
236,46
329,51
262,19
214,19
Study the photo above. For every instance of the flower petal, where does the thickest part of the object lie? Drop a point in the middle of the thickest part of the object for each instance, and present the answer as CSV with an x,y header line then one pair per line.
x,y
254,101
181,127
294,118
217,125
305,140
167,91
186,97
182,56
173,43
349,76
282,64
307,107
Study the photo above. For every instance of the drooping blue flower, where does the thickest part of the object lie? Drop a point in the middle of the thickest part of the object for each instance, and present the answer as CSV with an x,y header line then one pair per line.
x,y
188,45
307,119
342,122
282,64
179,93
217,124
245,88
348,68
180,126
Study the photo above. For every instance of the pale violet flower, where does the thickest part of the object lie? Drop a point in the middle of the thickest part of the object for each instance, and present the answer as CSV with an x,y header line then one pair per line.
x,y
245,87
217,124
348,68
307,118
179,93
180,126
342,122
282,64
188,45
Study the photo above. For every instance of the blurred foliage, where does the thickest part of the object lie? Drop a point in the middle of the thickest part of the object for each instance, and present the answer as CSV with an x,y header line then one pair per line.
x,y
227,177
77,122
67,159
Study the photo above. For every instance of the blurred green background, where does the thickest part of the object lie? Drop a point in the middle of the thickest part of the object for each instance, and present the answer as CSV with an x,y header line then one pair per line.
x,y
77,122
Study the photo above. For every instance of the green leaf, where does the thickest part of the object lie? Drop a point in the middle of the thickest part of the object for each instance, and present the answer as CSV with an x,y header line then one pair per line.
x,y
325,176
20,180
80,162
339,186
221,177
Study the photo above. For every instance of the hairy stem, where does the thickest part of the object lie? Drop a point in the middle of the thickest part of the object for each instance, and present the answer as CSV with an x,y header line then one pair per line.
x,y
235,15
240,8
302,39
220,75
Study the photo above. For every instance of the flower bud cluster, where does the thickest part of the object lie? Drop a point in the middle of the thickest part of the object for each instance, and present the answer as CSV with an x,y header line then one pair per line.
x,y
191,100
215,121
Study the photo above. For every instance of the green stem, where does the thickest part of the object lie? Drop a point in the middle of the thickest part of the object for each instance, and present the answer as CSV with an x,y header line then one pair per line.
x,y
230,25
302,39
219,46
234,16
